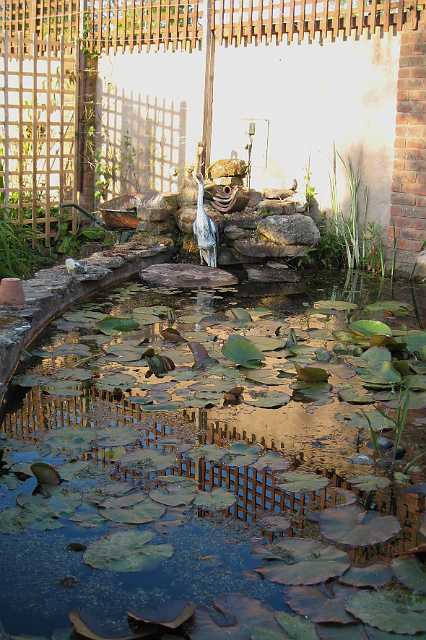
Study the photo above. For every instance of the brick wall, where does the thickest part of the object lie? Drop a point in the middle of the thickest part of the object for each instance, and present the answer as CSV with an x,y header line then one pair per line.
x,y
408,198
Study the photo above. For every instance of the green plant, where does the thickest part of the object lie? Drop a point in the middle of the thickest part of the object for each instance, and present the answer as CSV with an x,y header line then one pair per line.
x,y
17,257
310,192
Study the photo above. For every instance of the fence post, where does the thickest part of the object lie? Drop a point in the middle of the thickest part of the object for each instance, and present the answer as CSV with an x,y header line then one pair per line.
x,y
208,48
86,129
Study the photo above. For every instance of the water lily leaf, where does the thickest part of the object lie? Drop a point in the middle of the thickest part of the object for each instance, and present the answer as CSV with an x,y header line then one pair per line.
x,y
71,441
240,314
76,375
88,520
262,376
140,513
376,355
243,352
170,615
335,305
355,396
211,452
127,500
376,634
274,523
148,459
127,551
302,482
113,324
177,493
116,436
370,328
414,341
389,611
311,391
372,419
375,575
116,381
321,605
299,561
353,527
266,343
215,500
381,376
369,482
411,573
242,454
31,380
391,306
269,400
273,461
295,628
71,350
415,382
311,374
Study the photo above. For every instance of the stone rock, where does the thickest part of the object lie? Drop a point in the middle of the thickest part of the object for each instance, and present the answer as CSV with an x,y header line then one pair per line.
x,y
281,193
267,274
262,248
149,214
276,207
187,276
229,181
234,232
186,215
296,229
227,168
228,256
242,220
277,265
189,191
420,268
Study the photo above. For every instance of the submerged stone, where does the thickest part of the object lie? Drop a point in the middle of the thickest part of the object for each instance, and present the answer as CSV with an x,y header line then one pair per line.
x,y
187,276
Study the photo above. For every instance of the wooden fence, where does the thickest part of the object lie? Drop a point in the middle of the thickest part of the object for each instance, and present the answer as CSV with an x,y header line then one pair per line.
x,y
38,105
106,25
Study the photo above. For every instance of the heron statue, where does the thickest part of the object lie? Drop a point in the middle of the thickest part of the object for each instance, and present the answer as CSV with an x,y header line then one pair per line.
x,y
205,229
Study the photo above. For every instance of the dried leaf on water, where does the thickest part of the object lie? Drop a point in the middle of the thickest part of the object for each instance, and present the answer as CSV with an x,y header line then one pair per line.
x,y
170,615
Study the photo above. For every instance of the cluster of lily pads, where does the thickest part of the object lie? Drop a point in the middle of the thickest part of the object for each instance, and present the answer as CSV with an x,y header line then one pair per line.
x,y
164,360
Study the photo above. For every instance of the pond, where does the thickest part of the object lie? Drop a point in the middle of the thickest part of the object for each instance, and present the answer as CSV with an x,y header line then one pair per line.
x,y
241,463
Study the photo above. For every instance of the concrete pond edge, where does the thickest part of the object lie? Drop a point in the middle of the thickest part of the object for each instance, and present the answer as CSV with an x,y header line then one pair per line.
x,y
52,291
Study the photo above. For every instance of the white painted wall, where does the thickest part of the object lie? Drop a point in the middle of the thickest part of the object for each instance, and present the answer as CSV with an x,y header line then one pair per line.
x,y
309,96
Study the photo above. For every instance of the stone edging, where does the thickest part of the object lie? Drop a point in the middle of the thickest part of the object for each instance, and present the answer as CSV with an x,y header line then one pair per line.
x,y
51,291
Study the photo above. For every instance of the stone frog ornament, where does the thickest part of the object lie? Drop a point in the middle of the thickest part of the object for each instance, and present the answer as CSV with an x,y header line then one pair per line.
x,y
205,229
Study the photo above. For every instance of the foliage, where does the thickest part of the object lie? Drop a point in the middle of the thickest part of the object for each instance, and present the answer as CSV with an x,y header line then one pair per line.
x,y
310,192
17,257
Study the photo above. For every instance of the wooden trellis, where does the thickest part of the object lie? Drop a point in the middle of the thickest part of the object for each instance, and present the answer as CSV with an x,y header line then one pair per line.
x,y
38,101
107,25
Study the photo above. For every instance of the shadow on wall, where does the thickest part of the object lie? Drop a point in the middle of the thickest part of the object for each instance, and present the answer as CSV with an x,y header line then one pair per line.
x,y
142,142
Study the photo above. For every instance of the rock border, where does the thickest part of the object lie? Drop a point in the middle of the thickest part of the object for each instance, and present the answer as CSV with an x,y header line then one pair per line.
x,y
51,291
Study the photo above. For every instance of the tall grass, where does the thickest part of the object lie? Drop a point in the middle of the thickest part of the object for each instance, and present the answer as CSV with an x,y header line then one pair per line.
x,y
361,241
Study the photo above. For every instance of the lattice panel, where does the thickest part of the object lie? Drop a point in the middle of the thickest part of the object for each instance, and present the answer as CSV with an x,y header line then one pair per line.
x,y
38,101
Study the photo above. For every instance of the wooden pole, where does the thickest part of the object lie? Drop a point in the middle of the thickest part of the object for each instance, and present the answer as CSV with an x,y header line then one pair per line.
x,y
208,48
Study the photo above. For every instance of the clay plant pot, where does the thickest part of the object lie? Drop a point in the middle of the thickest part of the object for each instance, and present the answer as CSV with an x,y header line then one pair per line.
x,y
12,292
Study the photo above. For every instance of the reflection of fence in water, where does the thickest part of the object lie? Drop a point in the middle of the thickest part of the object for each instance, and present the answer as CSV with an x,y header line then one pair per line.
x,y
256,491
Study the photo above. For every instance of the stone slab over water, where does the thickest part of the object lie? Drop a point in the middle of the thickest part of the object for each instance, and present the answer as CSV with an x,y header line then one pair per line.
x,y
187,276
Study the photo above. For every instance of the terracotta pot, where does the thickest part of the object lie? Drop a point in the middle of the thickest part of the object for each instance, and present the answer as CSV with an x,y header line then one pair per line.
x,y
12,292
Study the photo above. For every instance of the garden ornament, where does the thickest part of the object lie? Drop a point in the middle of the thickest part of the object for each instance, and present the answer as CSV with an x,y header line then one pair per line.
x,y
205,229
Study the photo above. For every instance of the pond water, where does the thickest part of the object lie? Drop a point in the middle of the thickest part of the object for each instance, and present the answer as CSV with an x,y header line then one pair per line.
x,y
185,448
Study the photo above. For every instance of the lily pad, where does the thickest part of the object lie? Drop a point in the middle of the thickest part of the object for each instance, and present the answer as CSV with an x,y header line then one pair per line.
x,y
374,575
177,493
335,305
299,561
369,482
243,352
148,459
211,452
273,461
269,400
141,513
215,500
262,376
370,328
242,454
381,376
127,551
302,482
353,527
170,615
390,306
321,605
355,396
389,611
116,381
45,474
411,573
274,523
376,355
114,324
311,374
266,343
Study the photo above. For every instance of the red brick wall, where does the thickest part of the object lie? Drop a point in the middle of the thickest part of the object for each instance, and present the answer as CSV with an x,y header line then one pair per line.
x,y
408,198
